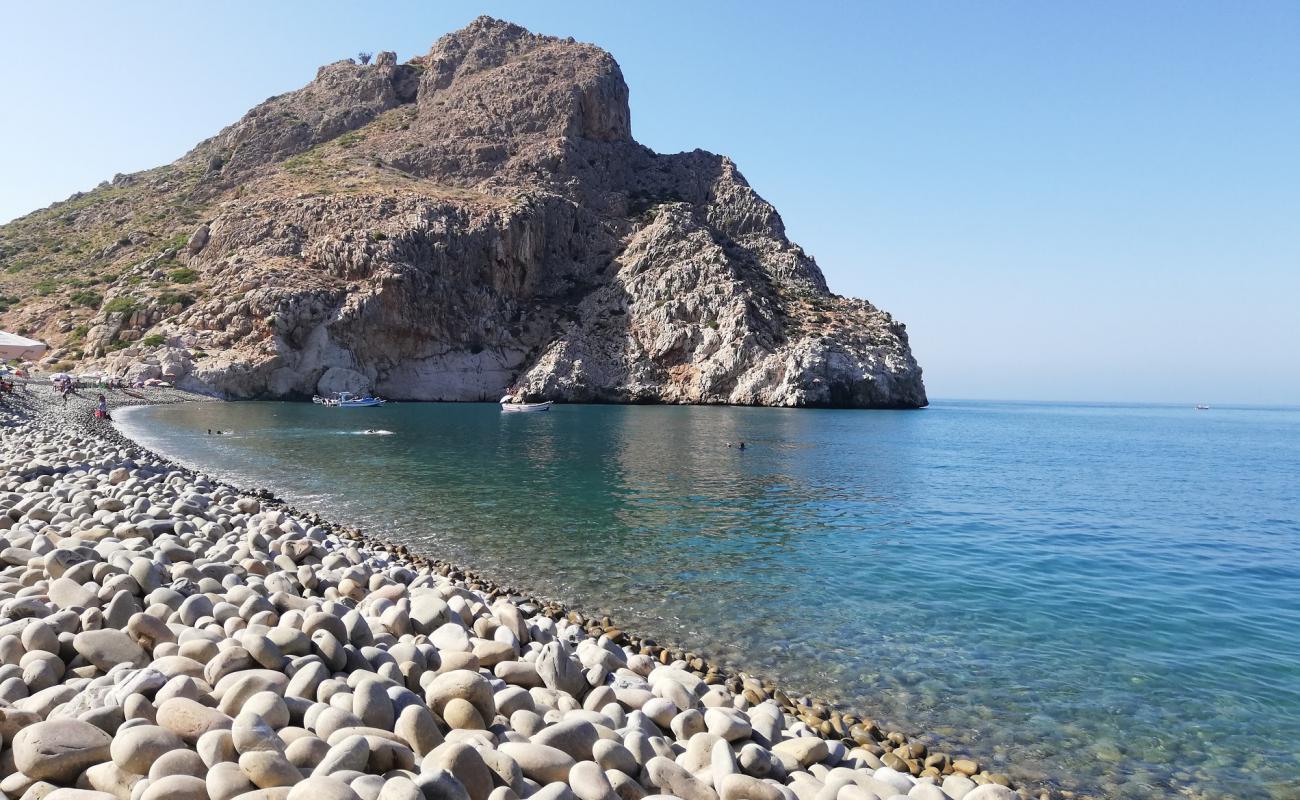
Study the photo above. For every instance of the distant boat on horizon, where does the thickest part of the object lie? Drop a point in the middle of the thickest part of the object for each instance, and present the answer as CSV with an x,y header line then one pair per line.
x,y
1202,407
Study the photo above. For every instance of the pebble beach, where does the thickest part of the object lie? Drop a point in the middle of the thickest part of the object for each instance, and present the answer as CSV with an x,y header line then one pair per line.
x,y
164,635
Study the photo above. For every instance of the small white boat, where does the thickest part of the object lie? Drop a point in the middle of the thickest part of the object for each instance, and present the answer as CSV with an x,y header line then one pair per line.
x,y
508,405
349,400
1202,407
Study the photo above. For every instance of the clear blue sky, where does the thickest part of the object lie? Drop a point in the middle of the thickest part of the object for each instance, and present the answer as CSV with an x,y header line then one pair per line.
x,y
1094,201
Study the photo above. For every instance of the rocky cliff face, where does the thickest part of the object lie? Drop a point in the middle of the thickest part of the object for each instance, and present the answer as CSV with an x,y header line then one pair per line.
x,y
475,222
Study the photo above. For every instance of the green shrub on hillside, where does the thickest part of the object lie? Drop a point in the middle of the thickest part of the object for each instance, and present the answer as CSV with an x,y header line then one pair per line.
x,y
184,275
172,298
153,340
120,305
87,298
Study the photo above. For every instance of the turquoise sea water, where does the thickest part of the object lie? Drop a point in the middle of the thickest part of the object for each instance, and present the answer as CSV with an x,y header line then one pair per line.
x,y
1104,596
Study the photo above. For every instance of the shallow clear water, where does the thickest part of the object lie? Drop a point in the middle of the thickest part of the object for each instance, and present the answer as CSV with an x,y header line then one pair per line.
x,y
1105,596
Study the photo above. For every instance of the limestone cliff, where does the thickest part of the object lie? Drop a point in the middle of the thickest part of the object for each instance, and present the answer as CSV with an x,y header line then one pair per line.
x,y
476,221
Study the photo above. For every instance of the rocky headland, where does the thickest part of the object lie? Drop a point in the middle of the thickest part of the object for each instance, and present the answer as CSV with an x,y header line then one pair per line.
x,y
165,636
474,221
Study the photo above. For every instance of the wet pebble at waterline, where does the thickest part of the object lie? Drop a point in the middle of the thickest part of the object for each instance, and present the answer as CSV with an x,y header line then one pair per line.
x,y
163,635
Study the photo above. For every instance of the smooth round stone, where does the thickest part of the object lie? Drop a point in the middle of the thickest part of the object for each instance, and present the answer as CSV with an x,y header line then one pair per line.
x,y
518,673
506,771
322,788
306,752
464,685
958,786
190,719
676,780
527,723
687,724
553,791
927,791
371,704
661,711
351,753
990,791
137,706
722,760
403,788
251,733
108,777
744,787
728,723
754,760
803,750
614,755
235,688
539,762
465,763
39,635
461,714
226,780
109,647
625,788
268,769
491,653
902,782
699,751
75,794
59,750
217,746
450,637
176,787
177,762
574,736
70,594
367,787
588,782
269,706
428,612
439,784
329,720
415,725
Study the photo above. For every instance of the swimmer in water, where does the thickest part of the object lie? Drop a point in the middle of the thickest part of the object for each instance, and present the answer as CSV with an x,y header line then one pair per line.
x,y
742,445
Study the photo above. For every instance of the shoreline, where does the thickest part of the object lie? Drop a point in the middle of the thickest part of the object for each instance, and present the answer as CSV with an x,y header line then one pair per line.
x,y
855,743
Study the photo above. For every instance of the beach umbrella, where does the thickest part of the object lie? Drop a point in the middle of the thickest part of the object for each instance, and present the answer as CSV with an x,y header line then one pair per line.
x,y
60,376
15,346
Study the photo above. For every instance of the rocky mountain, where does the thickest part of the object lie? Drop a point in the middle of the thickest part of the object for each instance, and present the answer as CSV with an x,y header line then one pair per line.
x,y
476,221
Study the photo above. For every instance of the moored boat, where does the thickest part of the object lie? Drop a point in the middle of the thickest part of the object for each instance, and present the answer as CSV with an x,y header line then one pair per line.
x,y
509,405
348,400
